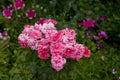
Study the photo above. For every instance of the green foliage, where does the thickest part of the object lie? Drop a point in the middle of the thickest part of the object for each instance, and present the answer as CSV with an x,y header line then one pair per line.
x,y
17,63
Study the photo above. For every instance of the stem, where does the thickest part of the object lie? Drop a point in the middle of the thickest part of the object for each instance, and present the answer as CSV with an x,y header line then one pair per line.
x,y
15,6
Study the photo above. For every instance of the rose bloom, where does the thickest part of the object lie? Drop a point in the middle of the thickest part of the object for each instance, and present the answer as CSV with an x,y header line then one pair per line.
x,y
43,53
66,36
7,13
22,39
42,21
80,50
50,20
57,37
87,52
58,62
69,52
102,34
102,18
32,32
48,30
56,48
88,23
31,13
18,4
4,35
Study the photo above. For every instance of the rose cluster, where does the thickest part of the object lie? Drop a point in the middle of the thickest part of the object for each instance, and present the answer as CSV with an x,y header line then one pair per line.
x,y
50,42
7,11
18,4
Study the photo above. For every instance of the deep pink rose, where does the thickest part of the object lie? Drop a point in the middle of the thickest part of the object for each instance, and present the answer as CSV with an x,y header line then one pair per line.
x,y
56,48
69,52
18,4
57,36
88,23
87,52
31,14
7,13
42,21
43,53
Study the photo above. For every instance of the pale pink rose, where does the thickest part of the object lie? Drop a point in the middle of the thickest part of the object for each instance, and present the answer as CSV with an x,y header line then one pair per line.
x,y
48,30
27,26
32,44
32,32
71,34
35,34
80,49
31,14
58,62
49,35
7,13
87,52
43,53
67,41
37,27
36,44
68,36
22,40
50,21
27,29
45,28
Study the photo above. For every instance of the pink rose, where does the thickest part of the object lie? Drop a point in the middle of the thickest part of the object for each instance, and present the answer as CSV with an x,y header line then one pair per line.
x,y
50,21
45,28
88,23
68,36
22,40
43,53
7,13
79,51
87,52
31,14
58,62
57,36
56,48
18,4
32,32
42,21
69,52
